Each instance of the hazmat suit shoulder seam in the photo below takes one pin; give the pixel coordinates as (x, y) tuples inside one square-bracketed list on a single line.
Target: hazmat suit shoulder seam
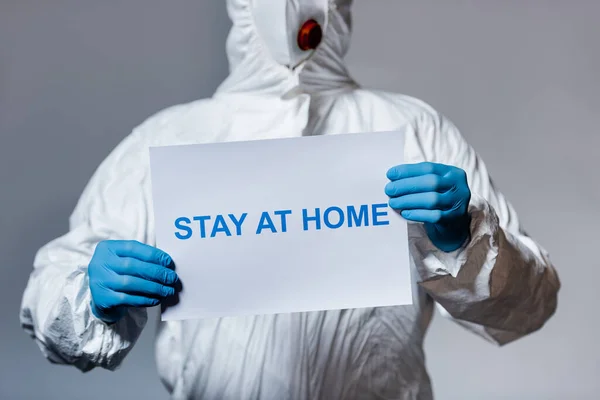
[(413, 108), (417, 106), (166, 115)]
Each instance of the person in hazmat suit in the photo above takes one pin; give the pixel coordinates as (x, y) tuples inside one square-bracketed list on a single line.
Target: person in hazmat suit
[(85, 300)]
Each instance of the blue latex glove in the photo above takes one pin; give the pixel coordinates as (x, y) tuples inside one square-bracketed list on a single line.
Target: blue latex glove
[(437, 195), (125, 273)]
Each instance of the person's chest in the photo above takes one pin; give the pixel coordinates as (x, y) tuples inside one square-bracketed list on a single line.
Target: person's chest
[(240, 118)]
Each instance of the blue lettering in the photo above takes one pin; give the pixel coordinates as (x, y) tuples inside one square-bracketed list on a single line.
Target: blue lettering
[(238, 222), (306, 219), (265, 223), (283, 214), (220, 226), (376, 214), (179, 225), (358, 219), (340, 218), (201, 221)]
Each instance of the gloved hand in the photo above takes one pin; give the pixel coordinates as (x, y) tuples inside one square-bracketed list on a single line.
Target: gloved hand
[(437, 195), (125, 273)]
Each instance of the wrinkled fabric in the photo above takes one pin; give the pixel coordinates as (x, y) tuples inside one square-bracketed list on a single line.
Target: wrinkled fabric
[(500, 285)]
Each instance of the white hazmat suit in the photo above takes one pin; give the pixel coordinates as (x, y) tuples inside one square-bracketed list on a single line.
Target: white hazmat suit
[(500, 285)]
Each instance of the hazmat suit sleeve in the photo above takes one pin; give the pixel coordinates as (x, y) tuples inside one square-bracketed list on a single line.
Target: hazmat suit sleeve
[(55, 308), (500, 284)]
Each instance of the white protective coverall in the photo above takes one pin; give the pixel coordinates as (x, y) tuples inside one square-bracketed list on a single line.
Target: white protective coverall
[(500, 285)]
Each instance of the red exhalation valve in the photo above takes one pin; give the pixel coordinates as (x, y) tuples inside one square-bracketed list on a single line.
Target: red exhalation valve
[(310, 35)]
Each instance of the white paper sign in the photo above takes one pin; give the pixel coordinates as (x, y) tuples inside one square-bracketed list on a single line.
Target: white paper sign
[(281, 225)]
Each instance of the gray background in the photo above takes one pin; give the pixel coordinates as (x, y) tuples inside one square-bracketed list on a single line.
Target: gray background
[(520, 78)]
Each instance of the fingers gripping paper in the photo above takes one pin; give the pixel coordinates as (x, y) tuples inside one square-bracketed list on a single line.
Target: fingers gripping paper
[(281, 225)]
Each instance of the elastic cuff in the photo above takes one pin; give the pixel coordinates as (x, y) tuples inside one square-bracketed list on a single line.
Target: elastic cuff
[(435, 262), (102, 317)]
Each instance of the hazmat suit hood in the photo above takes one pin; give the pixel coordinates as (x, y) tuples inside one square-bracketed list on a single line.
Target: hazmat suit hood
[(265, 57)]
